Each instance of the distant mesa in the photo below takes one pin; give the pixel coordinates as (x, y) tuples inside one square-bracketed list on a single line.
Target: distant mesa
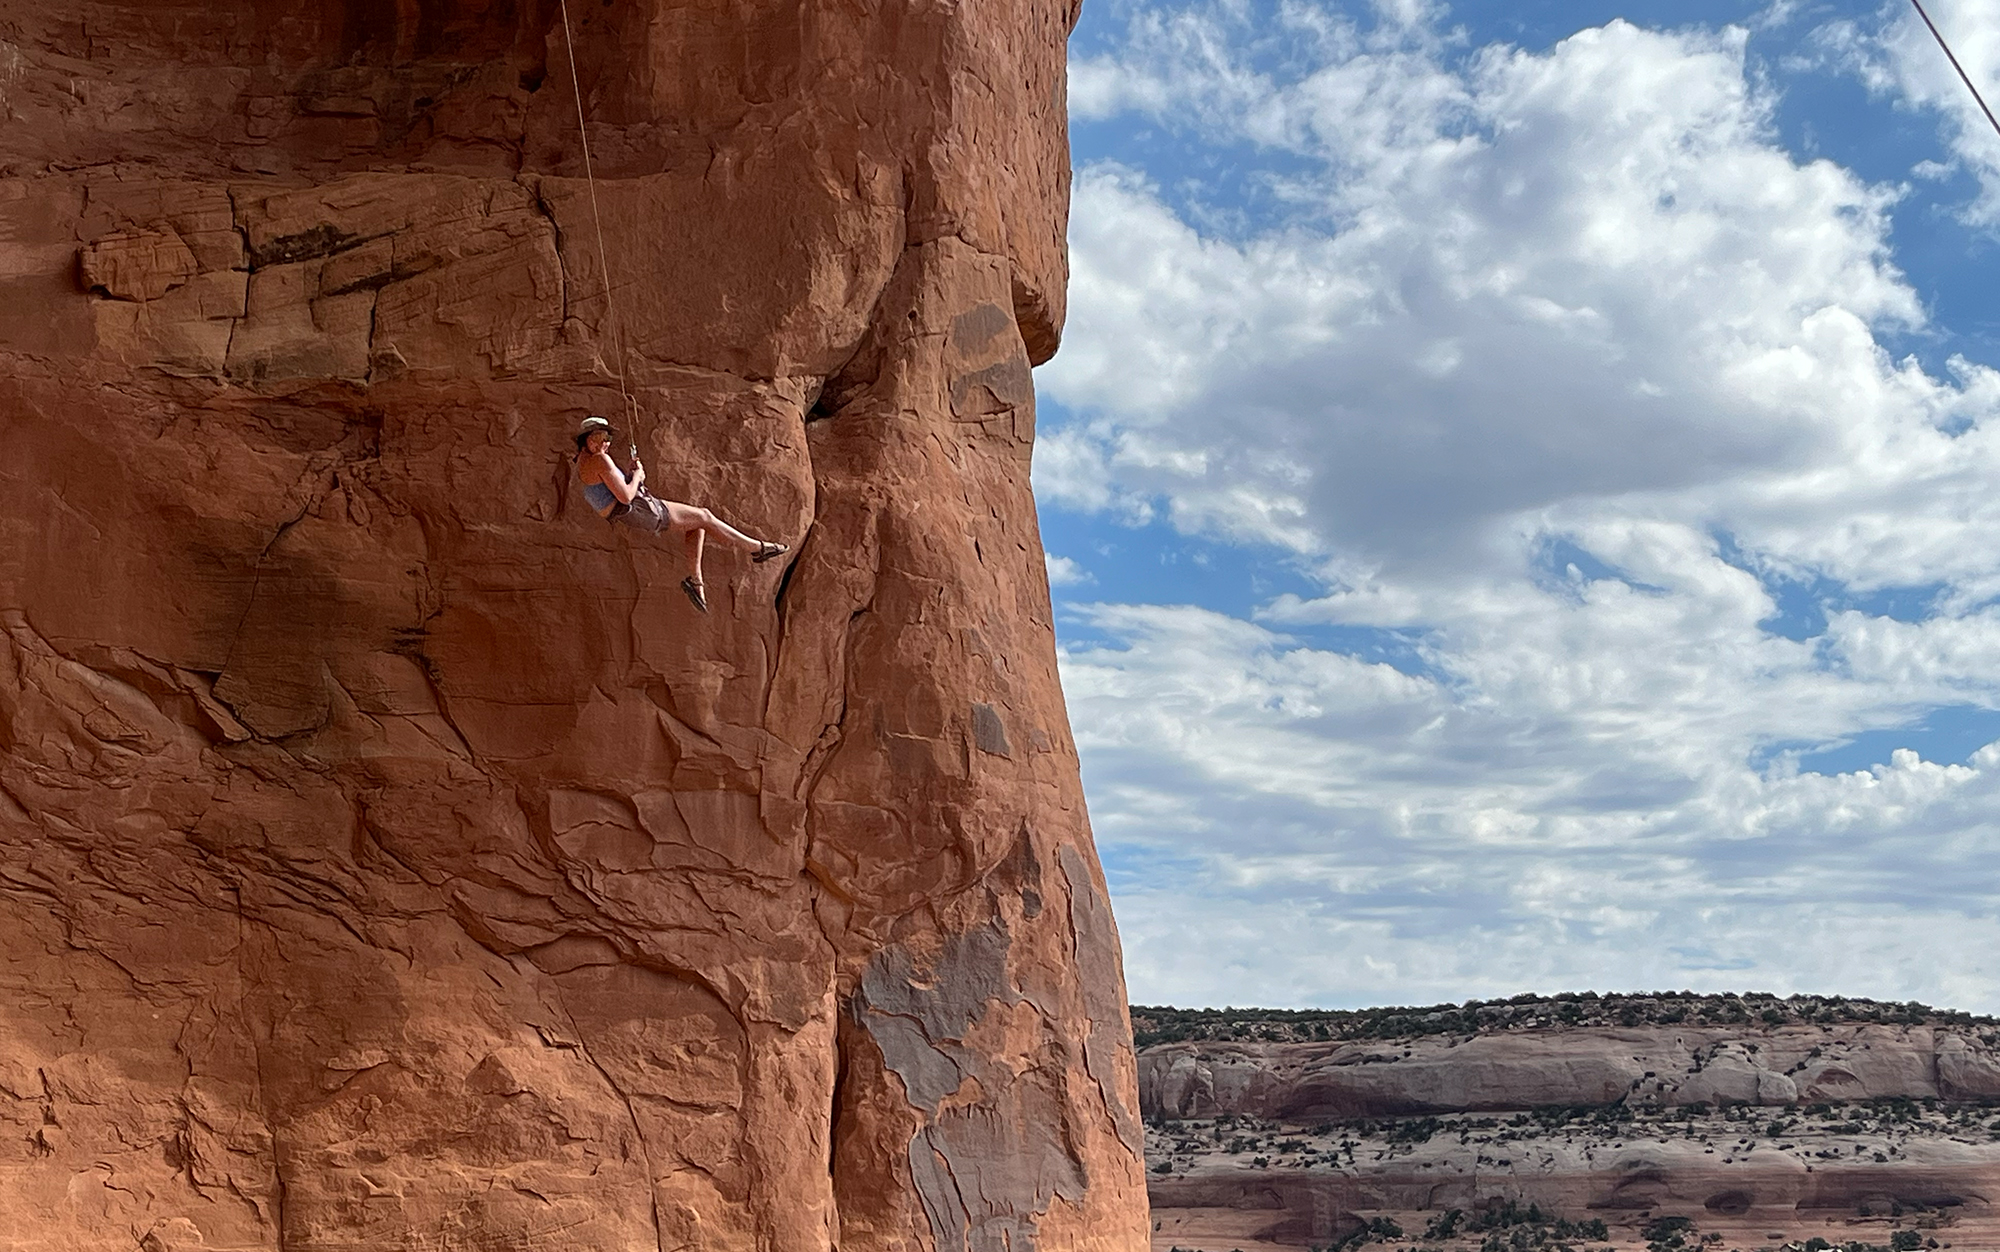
[(1755, 1119)]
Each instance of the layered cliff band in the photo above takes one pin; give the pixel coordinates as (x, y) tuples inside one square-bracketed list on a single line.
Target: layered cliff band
[(624, 499)]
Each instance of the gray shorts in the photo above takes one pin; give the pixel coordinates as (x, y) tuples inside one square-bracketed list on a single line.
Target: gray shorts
[(644, 513)]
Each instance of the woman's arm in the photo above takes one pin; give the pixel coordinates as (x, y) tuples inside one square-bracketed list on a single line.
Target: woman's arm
[(608, 473)]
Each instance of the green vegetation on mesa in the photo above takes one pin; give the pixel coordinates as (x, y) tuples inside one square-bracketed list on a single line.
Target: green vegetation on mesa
[(1509, 1227), (1153, 1024), (1873, 1130)]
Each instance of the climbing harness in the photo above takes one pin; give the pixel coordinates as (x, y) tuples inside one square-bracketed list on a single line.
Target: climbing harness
[(597, 223), (1962, 75)]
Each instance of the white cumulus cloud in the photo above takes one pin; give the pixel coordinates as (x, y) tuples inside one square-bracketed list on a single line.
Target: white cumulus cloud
[(1559, 365), (1065, 572), (1898, 56)]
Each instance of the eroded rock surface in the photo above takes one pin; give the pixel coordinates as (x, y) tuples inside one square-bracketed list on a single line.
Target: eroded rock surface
[(1666, 1066), (389, 857), (1759, 1135)]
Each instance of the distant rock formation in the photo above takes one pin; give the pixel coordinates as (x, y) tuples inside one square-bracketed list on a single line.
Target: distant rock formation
[(1758, 1133), (1663, 1066), (389, 857)]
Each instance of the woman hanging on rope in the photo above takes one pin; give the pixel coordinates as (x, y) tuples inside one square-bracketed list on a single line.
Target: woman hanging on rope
[(626, 501)]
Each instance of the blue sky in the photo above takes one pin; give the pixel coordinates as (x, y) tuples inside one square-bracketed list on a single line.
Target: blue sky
[(1519, 487)]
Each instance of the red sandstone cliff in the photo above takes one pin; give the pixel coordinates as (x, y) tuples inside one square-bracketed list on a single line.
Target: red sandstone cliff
[(388, 855)]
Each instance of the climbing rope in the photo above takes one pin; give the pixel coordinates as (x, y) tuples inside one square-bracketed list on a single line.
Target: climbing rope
[(1962, 75), (597, 222)]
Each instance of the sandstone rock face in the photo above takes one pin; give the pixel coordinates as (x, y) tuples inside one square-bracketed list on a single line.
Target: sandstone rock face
[(389, 857), (1667, 1066)]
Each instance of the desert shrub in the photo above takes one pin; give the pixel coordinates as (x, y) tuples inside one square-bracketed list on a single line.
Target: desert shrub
[(1162, 1024), (1376, 1230), (1668, 1234), (1508, 1227)]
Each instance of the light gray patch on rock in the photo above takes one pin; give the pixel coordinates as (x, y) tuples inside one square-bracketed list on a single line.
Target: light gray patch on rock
[(989, 732), (1097, 965), (1022, 867), (943, 1202), (979, 326), (998, 388), (983, 1179), (937, 1010), (928, 1072)]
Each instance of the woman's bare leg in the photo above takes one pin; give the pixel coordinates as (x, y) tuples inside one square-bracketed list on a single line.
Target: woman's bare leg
[(687, 517), (691, 541), (695, 526)]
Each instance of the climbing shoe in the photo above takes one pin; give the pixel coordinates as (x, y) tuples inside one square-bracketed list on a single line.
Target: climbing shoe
[(694, 595), (766, 550)]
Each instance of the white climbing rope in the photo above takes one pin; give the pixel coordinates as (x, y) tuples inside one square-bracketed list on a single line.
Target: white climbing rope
[(597, 223)]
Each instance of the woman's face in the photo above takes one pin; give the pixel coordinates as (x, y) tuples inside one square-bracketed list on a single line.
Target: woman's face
[(599, 440)]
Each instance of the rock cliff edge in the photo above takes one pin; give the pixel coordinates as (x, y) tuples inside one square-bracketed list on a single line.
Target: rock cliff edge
[(389, 856), (1765, 1123)]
